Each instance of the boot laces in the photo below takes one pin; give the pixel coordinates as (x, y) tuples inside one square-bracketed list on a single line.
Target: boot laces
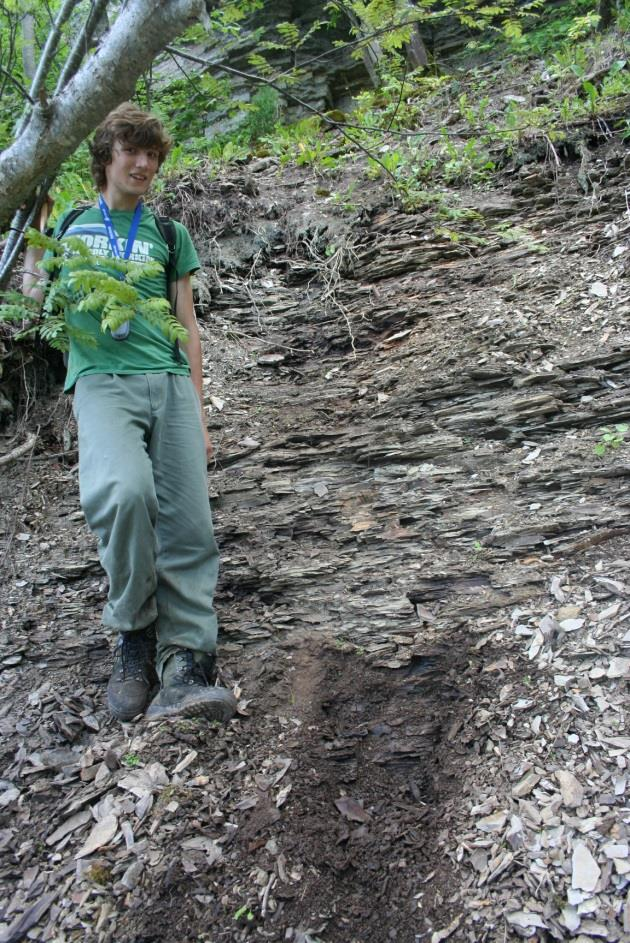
[(187, 670), (133, 655)]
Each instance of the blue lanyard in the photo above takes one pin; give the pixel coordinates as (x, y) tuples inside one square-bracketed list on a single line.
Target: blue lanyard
[(122, 332), (111, 232)]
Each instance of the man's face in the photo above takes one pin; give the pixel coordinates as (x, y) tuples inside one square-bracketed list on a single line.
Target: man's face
[(132, 169)]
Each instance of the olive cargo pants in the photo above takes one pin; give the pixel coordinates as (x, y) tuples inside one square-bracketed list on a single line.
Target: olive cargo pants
[(144, 493)]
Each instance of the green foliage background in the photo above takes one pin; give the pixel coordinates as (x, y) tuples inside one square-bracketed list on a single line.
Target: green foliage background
[(391, 126)]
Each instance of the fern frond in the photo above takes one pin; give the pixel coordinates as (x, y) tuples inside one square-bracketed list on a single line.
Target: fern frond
[(15, 313)]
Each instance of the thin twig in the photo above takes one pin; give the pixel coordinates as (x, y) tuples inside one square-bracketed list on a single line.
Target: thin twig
[(398, 103), (14, 81), (22, 220)]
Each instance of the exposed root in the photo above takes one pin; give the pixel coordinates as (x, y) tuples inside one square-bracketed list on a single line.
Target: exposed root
[(19, 450)]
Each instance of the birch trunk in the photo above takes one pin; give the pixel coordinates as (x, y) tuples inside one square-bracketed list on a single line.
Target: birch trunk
[(58, 126)]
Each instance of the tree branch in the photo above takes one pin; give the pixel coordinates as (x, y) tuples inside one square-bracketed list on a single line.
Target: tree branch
[(141, 30), (46, 58), (20, 450), (21, 89), (81, 44)]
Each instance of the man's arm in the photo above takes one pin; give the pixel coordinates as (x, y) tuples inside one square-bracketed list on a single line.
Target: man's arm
[(181, 296), (33, 278)]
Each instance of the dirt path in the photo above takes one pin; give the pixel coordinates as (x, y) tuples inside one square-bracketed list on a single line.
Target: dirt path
[(423, 595)]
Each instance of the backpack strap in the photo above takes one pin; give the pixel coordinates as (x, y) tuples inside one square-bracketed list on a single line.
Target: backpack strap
[(66, 224), (166, 228), (71, 217)]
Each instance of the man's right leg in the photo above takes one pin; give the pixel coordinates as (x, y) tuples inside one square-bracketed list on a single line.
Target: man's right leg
[(119, 502)]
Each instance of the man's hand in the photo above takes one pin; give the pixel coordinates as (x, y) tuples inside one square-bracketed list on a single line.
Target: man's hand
[(41, 221), (33, 279)]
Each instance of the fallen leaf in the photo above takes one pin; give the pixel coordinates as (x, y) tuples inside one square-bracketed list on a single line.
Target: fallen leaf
[(352, 810), (444, 934)]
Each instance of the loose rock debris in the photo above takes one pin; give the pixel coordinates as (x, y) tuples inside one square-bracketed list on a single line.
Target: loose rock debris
[(424, 600)]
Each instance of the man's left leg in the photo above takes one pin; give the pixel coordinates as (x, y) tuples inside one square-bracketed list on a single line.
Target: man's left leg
[(187, 557)]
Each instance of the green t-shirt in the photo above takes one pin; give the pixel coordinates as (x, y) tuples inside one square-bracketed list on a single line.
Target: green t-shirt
[(146, 349)]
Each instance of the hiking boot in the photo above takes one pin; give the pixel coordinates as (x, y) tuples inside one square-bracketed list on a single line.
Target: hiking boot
[(133, 674), (187, 691)]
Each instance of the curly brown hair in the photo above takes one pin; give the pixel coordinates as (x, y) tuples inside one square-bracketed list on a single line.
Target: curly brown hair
[(130, 124)]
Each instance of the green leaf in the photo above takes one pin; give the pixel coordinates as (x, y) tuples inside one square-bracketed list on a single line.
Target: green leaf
[(14, 313)]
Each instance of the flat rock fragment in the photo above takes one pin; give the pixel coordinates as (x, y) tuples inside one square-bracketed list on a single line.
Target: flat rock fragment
[(570, 789), (526, 919), (525, 785), (492, 823), (570, 918), (101, 834), (585, 870), (619, 668), (448, 931)]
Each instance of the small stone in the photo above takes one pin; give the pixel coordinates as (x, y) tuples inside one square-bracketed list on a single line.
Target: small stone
[(571, 625), (568, 612), (585, 870), (619, 668), (515, 834), (592, 928), (492, 823), (570, 918), (599, 290), (525, 785), (615, 851), (570, 789), (479, 860), (525, 919)]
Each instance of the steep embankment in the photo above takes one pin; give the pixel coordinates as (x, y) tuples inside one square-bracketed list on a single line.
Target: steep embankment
[(422, 596)]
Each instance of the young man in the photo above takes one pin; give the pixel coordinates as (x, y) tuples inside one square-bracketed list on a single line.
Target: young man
[(143, 447)]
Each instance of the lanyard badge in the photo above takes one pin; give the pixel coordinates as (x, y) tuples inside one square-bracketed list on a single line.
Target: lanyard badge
[(122, 332)]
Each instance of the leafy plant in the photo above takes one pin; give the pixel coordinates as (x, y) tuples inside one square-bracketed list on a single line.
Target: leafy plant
[(582, 26), (90, 284), (611, 438), (263, 113), (131, 759), (468, 162), (244, 913)]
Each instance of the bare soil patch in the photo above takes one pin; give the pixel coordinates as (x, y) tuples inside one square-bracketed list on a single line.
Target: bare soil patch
[(345, 843)]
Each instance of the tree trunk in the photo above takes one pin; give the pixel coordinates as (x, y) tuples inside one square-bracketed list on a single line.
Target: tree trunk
[(57, 127), (416, 50), (606, 13), (28, 46), (371, 52)]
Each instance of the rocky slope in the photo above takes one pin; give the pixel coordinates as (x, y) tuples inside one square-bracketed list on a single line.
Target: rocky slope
[(423, 595)]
